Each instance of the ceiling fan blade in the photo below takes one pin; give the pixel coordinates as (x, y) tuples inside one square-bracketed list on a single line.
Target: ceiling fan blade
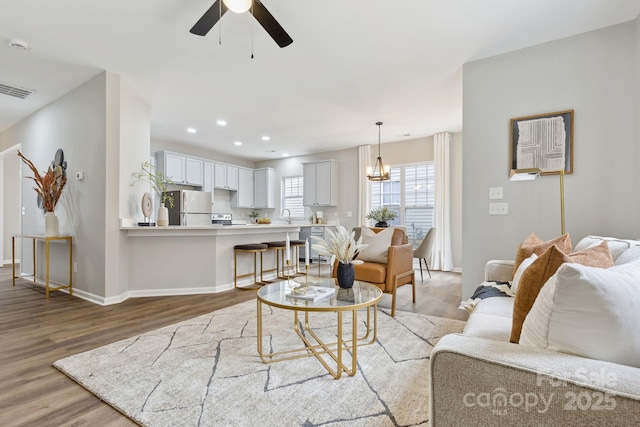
[(209, 18), (269, 23)]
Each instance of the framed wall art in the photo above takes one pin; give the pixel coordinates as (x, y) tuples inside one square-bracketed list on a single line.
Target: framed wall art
[(543, 141)]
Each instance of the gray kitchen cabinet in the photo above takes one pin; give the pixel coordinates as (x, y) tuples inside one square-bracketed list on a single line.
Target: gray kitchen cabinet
[(181, 169), (264, 188), (207, 183), (320, 183), (225, 177), (243, 197)]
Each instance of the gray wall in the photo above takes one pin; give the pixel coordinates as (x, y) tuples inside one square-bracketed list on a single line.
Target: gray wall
[(596, 74), (10, 203)]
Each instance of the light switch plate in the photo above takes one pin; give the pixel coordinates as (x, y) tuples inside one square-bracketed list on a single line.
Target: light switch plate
[(495, 193), (498, 208)]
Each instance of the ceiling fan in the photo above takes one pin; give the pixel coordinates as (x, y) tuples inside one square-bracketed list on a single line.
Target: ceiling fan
[(255, 7)]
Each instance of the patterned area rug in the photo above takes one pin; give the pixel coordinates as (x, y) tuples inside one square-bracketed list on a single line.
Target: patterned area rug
[(206, 372)]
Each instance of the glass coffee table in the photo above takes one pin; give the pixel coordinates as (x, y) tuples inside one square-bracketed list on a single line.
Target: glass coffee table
[(362, 296)]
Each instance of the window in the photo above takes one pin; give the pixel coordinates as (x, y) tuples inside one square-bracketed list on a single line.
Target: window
[(292, 191), (409, 193)]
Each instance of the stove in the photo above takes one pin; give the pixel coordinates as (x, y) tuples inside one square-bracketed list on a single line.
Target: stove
[(221, 219)]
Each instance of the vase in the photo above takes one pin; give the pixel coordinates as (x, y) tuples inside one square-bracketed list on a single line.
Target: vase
[(382, 224), (162, 218), (345, 275), (51, 225)]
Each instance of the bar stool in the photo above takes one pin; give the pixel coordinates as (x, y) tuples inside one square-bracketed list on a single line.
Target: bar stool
[(279, 248), (253, 248)]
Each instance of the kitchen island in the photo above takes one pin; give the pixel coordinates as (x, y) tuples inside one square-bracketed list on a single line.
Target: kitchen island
[(178, 260)]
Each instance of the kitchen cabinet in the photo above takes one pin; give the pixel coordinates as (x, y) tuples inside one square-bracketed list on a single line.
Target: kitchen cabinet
[(263, 188), (181, 169), (243, 197), (320, 183), (207, 180), (225, 177)]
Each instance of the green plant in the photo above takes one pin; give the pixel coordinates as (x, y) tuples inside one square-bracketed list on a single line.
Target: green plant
[(254, 214), (383, 214), (159, 182)]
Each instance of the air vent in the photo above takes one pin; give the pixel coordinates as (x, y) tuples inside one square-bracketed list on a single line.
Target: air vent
[(18, 92)]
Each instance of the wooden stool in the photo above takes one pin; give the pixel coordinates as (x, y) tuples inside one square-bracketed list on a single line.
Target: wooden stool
[(278, 247), (253, 248)]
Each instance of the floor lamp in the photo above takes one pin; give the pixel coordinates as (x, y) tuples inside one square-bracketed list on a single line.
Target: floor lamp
[(533, 173)]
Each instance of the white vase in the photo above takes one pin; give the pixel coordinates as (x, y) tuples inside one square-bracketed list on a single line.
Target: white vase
[(51, 225), (162, 218)]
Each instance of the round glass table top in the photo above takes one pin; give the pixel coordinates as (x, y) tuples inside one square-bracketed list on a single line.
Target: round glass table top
[(278, 294)]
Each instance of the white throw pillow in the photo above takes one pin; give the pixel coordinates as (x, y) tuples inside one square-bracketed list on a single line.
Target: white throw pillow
[(521, 268), (590, 312), (378, 249), (630, 255)]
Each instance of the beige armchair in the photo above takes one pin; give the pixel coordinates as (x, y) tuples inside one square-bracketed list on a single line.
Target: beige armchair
[(396, 272), (424, 251)]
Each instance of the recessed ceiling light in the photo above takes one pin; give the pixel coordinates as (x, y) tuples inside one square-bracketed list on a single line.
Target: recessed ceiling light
[(285, 154), (238, 143), (266, 138), (191, 130), (19, 44), (221, 123)]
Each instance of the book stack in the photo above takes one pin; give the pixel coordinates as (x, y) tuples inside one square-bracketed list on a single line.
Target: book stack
[(313, 293)]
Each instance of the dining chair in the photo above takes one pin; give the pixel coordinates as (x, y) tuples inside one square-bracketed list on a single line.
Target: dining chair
[(423, 251)]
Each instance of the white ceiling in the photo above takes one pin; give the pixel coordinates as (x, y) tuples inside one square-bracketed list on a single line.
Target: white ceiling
[(352, 63)]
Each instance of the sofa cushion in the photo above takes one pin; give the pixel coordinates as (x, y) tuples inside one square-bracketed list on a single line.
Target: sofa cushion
[(533, 245), (540, 270), (616, 246), (491, 319), (371, 272), (630, 255), (590, 312), (378, 249), (518, 275)]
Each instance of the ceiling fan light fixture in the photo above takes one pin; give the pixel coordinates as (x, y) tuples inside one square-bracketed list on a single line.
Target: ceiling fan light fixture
[(379, 172), (238, 6)]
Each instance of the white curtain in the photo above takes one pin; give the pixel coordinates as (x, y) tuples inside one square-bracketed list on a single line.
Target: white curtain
[(441, 258), (364, 192)]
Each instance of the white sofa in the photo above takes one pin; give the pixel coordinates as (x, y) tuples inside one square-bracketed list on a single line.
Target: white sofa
[(479, 378)]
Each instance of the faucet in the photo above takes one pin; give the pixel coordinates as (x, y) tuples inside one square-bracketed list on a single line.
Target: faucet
[(289, 212)]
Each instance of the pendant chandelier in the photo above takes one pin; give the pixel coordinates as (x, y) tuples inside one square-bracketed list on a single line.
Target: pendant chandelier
[(379, 172)]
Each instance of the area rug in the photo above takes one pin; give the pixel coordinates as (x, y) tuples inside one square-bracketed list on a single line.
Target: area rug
[(206, 372)]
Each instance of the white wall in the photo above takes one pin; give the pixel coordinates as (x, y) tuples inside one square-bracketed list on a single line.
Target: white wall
[(595, 74)]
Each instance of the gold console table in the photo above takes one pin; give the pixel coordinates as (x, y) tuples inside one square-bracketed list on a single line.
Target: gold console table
[(47, 241)]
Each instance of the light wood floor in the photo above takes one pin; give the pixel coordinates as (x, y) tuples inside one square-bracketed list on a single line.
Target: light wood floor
[(35, 332)]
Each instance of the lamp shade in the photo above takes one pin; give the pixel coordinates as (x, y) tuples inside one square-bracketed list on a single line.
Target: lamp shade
[(524, 174), (238, 6)]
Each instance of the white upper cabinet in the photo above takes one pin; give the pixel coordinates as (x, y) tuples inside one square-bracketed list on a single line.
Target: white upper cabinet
[(225, 177), (243, 197), (181, 169), (320, 183), (207, 183), (263, 188)]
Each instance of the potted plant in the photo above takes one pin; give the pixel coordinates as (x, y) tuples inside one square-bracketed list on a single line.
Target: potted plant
[(49, 189), (345, 249), (159, 183), (254, 216), (382, 215)]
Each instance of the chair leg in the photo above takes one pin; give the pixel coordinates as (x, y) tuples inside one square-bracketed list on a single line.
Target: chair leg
[(420, 262), (427, 265), (413, 286)]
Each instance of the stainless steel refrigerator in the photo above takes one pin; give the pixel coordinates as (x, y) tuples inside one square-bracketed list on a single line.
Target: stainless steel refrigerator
[(190, 208)]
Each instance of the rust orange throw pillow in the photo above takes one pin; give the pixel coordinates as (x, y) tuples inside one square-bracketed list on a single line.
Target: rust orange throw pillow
[(533, 245), (545, 266)]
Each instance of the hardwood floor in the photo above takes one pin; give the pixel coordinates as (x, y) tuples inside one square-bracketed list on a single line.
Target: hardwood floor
[(35, 332)]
